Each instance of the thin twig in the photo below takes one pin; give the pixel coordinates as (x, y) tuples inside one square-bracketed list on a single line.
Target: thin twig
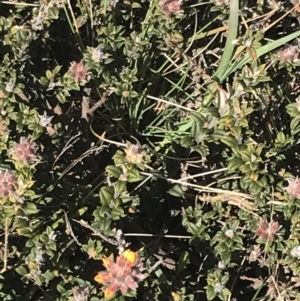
[(19, 3), (198, 278), (166, 72), (85, 104), (5, 246), (203, 174), (96, 232), (180, 181), (275, 22), (69, 228), (158, 235), (100, 102), (73, 16), (170, 103), (199, 187), (159, 262), (67, 146), (76, 161), (106, 140)]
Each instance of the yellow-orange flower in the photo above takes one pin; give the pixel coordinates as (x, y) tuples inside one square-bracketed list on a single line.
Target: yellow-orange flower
[(123, 274), (99, 278), (106, 261), (130, 256), (102, 278), (108, 293)]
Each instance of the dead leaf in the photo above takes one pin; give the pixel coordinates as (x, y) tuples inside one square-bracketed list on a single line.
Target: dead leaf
[(85, 107), (256, 282), (23, 96), (57, 110), (51, 131)]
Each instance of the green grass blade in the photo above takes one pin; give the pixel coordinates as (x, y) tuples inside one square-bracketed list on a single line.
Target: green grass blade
[(239, 63), (200, 34), (260, 51), (232, 34)]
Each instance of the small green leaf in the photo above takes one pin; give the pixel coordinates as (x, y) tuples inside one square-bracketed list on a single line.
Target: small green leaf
[(117, 213), (134, 176), (136, 5), (192, 228), (56, 70), (31, 209), (120, 187), (133, 94), (234, 164), (294, 123), (196, 129), (295, 126), (183, 261), (49, 75), (187, 141), (198, 117), (106, 195), (281, 137), (218, 134), (60, 289), (43, 81), (229, 141), (201, 150), (292, 109), (176, 190), (210, 293), (21, 270)]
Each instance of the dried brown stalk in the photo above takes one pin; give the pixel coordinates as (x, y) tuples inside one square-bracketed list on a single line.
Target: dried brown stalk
[(235, 200), (85, 105)]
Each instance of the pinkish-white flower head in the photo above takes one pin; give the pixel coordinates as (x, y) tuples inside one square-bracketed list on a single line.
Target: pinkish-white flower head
[(295, 252), (78, 71), (81, 294), (294, 188), (7, 184), (229, 233), (134, 153), (170, 7), (289, 54), (25, 151), (267, 230)]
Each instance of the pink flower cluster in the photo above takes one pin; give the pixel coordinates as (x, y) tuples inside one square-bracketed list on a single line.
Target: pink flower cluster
[(122, 275), (267, 230), (78, 71), (289, 54), (294, 188), (7, 181), (25, 151), (170, 7)]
